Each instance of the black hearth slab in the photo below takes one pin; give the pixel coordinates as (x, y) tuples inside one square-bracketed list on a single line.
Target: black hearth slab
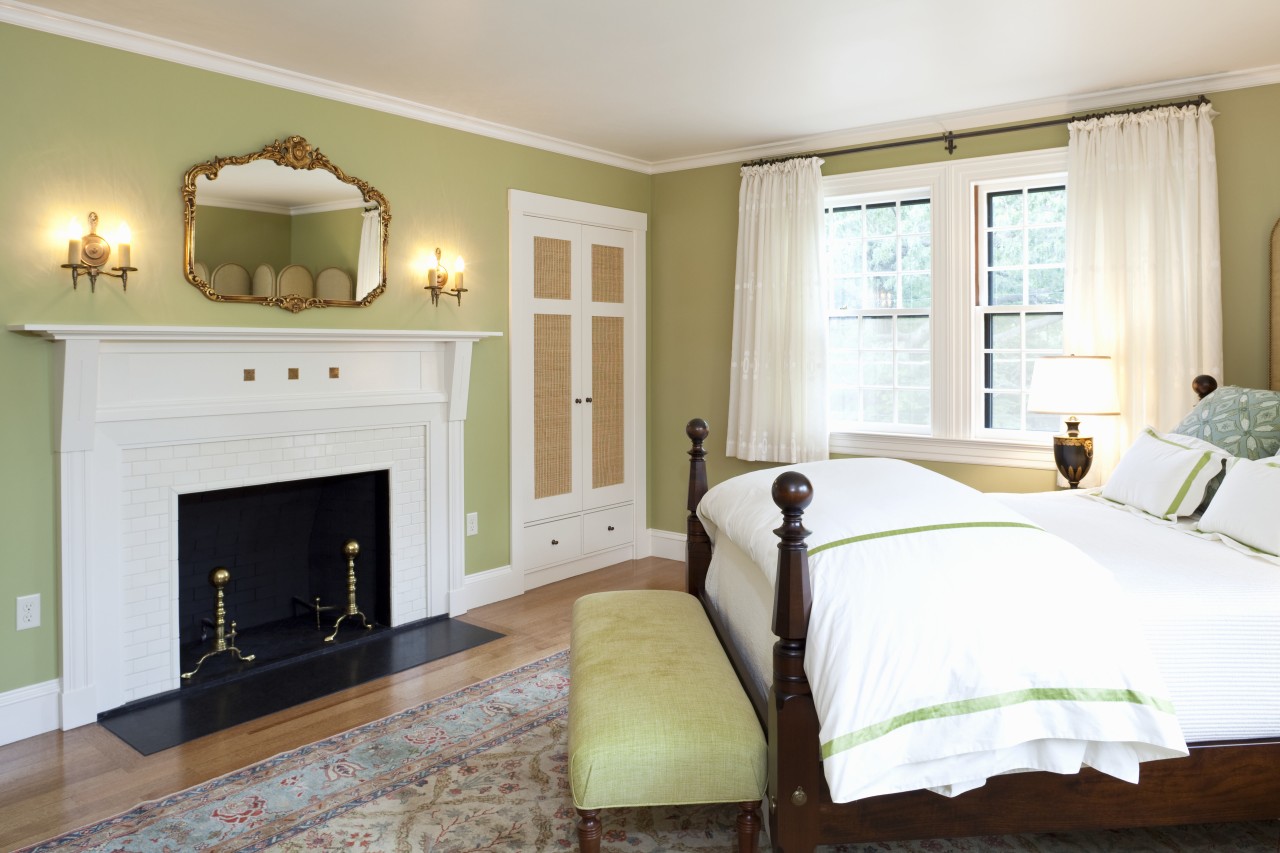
[(160, 722)]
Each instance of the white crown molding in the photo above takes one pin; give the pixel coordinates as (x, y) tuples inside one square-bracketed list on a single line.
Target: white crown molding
[(32, 17), (106, 35), (986, 117)]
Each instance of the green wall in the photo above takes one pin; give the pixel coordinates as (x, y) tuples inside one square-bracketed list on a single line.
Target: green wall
[(693, 241), (448, 189), (225, 235), (445, 188), (330, 239)]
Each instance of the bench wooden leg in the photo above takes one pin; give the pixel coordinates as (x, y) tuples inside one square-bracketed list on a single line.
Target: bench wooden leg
[(589, 831), (748, 827)]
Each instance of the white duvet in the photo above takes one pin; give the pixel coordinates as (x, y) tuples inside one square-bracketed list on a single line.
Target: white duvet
[(950, 638)]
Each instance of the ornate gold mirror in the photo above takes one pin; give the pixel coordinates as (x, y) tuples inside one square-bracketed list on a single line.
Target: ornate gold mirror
[(284, 226)]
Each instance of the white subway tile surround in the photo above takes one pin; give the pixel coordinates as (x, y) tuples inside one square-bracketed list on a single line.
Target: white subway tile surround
[(144, 414)]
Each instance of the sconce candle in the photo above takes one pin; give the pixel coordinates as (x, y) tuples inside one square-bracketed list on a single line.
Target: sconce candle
[(458, 266), (122, 247), (73, 242)]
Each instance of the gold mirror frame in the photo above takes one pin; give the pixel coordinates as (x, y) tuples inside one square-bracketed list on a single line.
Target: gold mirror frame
[(293, 152)]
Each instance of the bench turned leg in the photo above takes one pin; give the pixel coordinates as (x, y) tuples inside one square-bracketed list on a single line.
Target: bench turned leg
[(589, 831), (748, 827)]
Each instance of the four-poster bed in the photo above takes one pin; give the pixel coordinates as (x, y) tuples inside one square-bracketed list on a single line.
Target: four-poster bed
[(1219, 781)]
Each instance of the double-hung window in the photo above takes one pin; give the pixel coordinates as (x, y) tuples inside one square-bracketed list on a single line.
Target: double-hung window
[(944, 283)]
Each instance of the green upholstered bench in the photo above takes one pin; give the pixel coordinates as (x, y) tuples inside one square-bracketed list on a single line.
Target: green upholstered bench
[(656, 713)]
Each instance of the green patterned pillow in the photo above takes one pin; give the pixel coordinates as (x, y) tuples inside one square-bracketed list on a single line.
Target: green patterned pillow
[(1244, 422)]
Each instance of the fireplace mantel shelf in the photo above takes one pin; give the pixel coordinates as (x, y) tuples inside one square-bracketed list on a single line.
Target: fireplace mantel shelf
[(189, 334)]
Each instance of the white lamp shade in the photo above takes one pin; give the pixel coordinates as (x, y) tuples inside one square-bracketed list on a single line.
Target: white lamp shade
[(1073, 385)]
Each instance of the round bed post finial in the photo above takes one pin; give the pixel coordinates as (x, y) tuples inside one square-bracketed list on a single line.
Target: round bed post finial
[(792, 492), (697, 543), (1204, 385)]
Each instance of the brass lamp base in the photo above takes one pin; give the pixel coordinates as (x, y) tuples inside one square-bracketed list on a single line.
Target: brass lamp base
[(1073, 455)]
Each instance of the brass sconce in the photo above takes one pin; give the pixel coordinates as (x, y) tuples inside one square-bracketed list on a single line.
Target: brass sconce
[(88, 255), (438, 276)]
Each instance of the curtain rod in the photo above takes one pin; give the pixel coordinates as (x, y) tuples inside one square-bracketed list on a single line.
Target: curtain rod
[(949, 138)]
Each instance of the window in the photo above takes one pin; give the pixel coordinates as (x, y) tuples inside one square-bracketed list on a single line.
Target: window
[(944, 284), (1022, 268), (879, 291)]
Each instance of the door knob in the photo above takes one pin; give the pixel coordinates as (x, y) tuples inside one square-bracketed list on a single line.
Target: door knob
[(555, 541), (588, 399), (611, 527)]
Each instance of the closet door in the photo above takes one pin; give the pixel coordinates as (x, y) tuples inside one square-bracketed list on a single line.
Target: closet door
[(548, 375), (607, 328)]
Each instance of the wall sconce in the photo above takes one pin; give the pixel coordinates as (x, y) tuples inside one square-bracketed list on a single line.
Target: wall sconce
[(438, 276), (87, 255)]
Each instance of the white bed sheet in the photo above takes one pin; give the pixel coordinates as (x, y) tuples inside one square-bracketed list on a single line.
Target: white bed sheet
[(1211, 615)]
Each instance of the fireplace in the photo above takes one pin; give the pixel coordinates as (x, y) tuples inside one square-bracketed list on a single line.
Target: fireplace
[(284, 549), (148, 416)]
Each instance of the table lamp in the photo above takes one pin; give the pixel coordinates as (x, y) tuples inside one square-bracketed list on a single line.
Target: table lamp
[(1073, 385)]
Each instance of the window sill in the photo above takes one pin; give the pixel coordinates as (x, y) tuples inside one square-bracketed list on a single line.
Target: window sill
[(1008, 454)]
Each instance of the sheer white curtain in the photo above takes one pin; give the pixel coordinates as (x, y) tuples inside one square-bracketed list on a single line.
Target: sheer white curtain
[(370, 253), (777, 383), (1143, 261)]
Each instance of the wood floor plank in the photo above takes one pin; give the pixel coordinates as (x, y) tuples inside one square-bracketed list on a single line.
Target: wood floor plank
[(58, 781)]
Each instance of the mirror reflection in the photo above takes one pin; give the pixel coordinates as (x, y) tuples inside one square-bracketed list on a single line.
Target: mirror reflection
[(284, 226)]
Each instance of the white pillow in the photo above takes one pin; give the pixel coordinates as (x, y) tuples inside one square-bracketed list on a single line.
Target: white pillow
[(1246, 504), (1164, 475)]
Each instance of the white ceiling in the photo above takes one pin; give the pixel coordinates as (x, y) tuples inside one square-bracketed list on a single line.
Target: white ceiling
[(661, 84)]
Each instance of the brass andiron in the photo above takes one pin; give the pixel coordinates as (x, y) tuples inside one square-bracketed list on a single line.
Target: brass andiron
[(350, 550), (219, 578)]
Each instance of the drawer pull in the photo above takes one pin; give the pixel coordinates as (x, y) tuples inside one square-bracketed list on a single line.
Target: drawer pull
[(555, 541), (578, 400), (588, 399), (611, 527)]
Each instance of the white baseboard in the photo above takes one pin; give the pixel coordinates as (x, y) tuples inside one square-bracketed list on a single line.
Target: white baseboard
[(668, 545), (29, 711), (484, 588)]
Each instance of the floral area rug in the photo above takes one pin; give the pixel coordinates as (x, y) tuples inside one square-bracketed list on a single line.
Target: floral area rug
[(484, 769)]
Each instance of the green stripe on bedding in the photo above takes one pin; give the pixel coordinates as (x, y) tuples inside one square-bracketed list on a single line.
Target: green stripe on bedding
[(990, 703), (1186, 486), (907, 531)]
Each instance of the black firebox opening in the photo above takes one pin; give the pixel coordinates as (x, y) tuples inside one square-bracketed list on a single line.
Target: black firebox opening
[(283, 546)]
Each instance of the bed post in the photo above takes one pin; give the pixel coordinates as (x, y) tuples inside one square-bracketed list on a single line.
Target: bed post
[(795, 784), (697, 553)]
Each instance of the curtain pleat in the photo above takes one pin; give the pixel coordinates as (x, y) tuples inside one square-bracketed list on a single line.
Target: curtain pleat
[(370, 260), (1143, 262), (777, 384)]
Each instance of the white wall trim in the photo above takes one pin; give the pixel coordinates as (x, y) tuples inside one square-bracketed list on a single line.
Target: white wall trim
[(29, 711), (667, 545), (96, 32), (487, 587), (81, 29)]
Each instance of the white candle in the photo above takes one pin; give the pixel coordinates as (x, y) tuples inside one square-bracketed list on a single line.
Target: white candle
[(73, 251), (123, 236)]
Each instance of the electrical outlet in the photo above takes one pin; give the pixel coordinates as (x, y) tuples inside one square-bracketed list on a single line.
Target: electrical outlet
[(473, 523), (28, 611)]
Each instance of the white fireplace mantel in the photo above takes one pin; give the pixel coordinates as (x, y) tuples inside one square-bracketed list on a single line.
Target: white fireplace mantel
[(125, 395)]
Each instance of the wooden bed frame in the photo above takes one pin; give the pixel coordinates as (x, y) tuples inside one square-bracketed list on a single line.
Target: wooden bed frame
[(1217, 782)]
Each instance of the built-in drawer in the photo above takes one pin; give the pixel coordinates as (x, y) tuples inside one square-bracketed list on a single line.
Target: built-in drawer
[(553, 541), (607, 528)]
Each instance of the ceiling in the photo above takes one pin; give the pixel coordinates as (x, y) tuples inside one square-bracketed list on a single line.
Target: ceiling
[(662, 84)]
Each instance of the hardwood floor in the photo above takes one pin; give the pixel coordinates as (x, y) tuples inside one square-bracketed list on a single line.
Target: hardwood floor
[(58, 781)]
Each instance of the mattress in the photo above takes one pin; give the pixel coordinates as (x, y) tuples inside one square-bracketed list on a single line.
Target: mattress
[(1211, 615)]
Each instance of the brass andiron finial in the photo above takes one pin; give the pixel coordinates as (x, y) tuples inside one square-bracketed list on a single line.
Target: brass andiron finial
[(219, 578), (350, 550)]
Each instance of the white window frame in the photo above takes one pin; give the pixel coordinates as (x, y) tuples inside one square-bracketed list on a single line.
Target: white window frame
[(956, 377)]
